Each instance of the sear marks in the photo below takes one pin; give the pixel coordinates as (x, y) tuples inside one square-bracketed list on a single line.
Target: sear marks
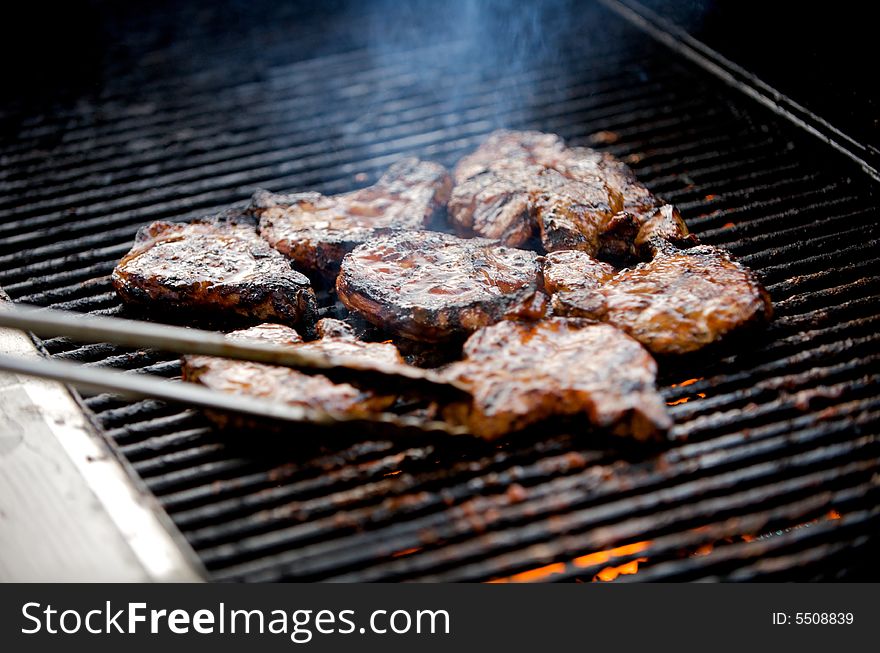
[(523, 373), (432, 286), (216, 266), (520, 184), (316, 231), (288, 385), (676, 303)]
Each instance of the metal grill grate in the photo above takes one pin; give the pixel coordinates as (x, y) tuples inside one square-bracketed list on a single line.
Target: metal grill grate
[(777, 476)]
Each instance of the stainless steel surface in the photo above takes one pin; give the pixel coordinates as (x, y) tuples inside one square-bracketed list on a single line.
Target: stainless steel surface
[(69, 511)]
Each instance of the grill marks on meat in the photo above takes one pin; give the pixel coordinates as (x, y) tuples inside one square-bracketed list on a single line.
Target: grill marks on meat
[(519, 184), (680, 301), (523, 373), (316, 231), (216, 266), (290, 386), (432, 286)]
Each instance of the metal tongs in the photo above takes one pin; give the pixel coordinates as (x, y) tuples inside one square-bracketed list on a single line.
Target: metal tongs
[(46, 322)]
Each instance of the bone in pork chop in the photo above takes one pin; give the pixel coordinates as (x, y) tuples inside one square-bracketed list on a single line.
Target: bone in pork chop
[(217, 266), (517, 185), (288, 385), (523, 373), (316, 230), (676, 303), (432, 286)]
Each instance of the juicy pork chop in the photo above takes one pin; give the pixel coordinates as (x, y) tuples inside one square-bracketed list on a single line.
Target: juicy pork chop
[(518, 185), (573, 270), (432, 286), (524, 373), (316, 230), (678, 302), (217, 266), (288, 385)]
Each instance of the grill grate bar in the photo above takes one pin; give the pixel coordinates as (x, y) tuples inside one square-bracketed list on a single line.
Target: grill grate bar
[(248, 171), (568, 548), (306, 98), (265, 134), (336, 555), (609, 488)]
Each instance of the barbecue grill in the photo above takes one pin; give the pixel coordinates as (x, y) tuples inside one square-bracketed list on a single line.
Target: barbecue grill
[(772, 468)]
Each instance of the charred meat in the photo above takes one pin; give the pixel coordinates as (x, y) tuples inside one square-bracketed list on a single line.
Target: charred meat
[(432, 286), (523, 373), (215, 266), (291, 386), (517, 185), (676, 303), (316, 230)]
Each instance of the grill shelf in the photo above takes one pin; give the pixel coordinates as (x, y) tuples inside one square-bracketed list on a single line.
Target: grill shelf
[(773, 473)]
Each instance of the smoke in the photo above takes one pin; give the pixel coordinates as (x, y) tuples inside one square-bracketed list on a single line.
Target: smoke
[(481, 64)]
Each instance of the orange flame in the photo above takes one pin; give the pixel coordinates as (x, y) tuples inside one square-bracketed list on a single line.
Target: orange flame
[(684, 384), (705, 550), (533, 575), (610, 573), (604, 556), (589, 560), (683, 400), (405, 552)]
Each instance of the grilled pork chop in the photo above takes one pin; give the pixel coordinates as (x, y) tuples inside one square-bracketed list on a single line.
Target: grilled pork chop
[(316, 231), (517, 185), (678, 302), (523, 373), (218, 266), (572, 270), (432, 286), (291, 386)]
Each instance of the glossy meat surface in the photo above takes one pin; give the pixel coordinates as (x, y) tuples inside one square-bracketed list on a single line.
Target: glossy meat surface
[(524, 373), (572, 269), (291, 386), (316, 230), (676, 303), (216, 266), (517, 185), (432, 286)]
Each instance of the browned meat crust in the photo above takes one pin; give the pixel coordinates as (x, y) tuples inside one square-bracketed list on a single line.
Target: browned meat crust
[(330, 328), (215, 266), (676, 303), (571, 269), (523, 373), (316, 231), (291, 386), (519, 184), (432, 286)]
